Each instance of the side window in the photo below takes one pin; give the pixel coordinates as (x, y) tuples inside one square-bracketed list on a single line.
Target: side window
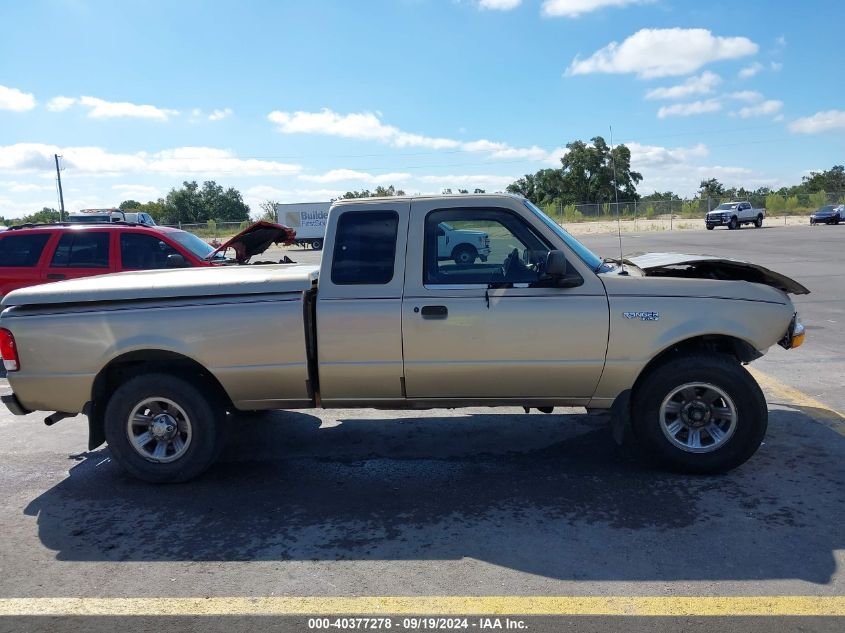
[(143, 252), (481, 246), (365, 247), (22, 250), (82, 250)]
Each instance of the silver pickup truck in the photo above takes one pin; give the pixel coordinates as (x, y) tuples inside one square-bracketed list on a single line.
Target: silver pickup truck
[(159, 360)]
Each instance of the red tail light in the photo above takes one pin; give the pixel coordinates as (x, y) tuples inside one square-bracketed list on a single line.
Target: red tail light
[(9, 351)]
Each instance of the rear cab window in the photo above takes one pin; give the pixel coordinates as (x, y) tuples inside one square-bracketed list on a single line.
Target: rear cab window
[(365, 248), (22, 250)]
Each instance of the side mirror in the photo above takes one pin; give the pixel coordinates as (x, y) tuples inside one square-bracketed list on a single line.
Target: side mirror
[(556, 264), (556, 268), (175, 260)]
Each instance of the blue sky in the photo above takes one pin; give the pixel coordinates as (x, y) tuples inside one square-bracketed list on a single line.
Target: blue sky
[(299, 101)]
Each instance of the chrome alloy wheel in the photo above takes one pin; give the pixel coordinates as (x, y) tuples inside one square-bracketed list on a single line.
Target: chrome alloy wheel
[(159, 430), (698, 417)]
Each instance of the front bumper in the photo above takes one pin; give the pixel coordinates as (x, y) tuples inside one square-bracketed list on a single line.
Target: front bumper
[(717, 220), (13, 404)]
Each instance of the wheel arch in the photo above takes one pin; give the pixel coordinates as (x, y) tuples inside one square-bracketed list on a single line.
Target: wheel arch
[(130, 364), (742, 351)]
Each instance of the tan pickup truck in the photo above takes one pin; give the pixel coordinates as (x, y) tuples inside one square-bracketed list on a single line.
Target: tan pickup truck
[(159, 360)]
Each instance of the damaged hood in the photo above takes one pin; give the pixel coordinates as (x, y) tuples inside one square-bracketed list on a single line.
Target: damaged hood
[(710, 267), (255, 239)]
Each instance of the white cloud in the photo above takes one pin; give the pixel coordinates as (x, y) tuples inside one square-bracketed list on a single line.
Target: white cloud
[(663, 53), (750, 70), (657, 156), (499, 5), (576, 8), (363, 126), (368, 126), (819, 122), (746, 95), (16, 100), (218, 115), (23, 157), (770, 106), (488, 182), (60, 104), (341, 175), (137, 192), (102, 109), (776, 66), (13, 186), (689, 109), (700, 84)]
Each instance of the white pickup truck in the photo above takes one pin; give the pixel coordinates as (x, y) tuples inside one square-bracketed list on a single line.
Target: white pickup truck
[(734, 214), (463, 246)]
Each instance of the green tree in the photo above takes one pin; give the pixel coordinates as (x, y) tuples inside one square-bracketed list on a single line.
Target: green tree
[(775, 203), (791, 204), (711, 188), (129, 205), (268, 211), (832, 179), (818, 199), (45, 216)]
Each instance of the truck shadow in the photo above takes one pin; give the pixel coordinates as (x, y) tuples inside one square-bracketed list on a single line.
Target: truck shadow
[(537, 493)]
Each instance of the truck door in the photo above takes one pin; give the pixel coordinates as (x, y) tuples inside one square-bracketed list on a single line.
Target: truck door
[(490, 329), (359, 304)]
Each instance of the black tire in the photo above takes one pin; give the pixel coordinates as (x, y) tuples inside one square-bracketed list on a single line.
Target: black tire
[(837, 220), (718, 370), (317, 245), (206, 416), (758, 223), (733, 224), (710, 227), (464, 255)]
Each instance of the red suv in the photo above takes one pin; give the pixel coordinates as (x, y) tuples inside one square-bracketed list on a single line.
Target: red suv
[(41, 253)]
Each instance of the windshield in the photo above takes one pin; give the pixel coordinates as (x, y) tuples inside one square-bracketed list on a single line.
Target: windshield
[(726, 207), (197, 246), (828, 209), (587, 256)]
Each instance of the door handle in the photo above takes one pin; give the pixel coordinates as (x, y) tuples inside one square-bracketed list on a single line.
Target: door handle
[(434, 312), (56, 276)]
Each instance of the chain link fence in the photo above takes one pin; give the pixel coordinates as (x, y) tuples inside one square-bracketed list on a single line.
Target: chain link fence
[(690, 209), (211, 229)]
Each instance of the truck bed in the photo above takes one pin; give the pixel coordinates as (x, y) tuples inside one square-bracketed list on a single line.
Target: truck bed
[(182, 282)]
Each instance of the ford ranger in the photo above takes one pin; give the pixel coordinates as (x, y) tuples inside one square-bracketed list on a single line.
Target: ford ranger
[(158, 359)]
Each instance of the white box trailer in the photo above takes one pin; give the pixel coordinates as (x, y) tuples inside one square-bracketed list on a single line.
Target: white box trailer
[(308, 219)]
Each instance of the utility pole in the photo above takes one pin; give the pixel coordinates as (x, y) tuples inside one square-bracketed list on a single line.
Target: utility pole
[(61, 195)]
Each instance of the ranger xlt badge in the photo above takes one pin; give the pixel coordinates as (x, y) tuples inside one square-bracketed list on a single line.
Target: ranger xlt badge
[(642, 316)]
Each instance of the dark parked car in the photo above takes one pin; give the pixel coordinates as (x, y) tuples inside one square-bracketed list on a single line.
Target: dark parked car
[(828, 214)]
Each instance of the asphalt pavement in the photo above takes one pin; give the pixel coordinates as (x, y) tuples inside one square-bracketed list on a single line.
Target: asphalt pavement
[(472, 502)]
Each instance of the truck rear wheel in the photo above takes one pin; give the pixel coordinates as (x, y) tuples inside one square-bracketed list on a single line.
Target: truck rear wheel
[(758, 223), (163, 429), (699, 414), (317, 244)]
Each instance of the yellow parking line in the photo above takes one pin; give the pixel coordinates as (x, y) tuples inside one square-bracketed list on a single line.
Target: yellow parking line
[(791, 396), (677, 606)]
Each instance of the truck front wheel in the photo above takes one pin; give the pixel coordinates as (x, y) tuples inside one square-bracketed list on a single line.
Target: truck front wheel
[(464, 255), (699, 414), (733, 224), (163, 429)]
